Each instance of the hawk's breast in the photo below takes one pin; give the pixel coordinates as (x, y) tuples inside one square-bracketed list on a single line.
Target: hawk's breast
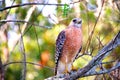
[(72, 43)]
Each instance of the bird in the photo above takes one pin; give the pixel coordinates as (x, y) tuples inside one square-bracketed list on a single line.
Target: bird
[(68, 46)]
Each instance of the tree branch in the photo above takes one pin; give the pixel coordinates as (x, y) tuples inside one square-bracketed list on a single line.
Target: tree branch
[(21, 21), (101, 72), (33, 3), (89, 69), (19, 62), (22, 49)]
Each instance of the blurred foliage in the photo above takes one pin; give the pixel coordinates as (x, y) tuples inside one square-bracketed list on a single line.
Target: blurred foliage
[(39, 41)]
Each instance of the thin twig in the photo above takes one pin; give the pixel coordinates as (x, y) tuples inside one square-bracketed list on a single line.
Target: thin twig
[(103, 69), (27, 18), (109, 62), (100, 42), (37, 39), (9, 10), (92, 32), (24, 56)]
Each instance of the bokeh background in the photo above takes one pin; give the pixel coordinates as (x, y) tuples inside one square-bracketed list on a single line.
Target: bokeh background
[(40, 26)]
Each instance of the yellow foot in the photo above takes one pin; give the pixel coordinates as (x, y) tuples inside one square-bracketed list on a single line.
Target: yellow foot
[(73, 68), (66, 71)]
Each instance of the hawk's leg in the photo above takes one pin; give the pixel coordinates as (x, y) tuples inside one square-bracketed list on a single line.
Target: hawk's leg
[(66, 68)]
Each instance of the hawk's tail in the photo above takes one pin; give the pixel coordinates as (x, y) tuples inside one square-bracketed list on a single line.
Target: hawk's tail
[(56, 69)]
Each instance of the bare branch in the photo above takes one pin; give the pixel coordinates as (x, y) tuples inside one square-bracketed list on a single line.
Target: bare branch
[(26, 4), (32, 63), (27, 18), (21, 21), (22, 49), (102, 72)]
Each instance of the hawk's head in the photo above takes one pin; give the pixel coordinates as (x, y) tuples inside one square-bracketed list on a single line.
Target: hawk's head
[(76, 22)]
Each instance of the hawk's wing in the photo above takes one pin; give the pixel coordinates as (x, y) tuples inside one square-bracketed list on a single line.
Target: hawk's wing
[(59, 46)]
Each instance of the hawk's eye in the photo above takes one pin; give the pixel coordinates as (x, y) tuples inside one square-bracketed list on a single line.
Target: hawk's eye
[(74, 20), (79, 22)]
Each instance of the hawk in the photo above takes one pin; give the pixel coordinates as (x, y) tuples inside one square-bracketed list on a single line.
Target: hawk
[(68, 45)]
